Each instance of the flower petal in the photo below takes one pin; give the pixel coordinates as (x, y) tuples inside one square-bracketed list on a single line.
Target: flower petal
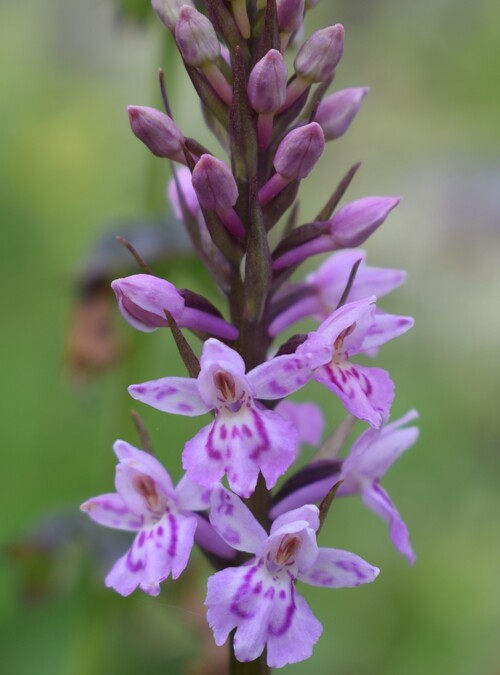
[(307, 418), (178, 395), (352, 321), (154, 555), (293, 640), (215, 350), (308, 513), (378, 501), (335, 568), (386, 327), (201, 461), (235, 522), (192, 496), (144, 462), (280, 376), (367, 393), (207, 537), (110, 510)]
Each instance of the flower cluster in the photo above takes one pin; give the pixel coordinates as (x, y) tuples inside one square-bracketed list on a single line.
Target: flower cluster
[(274, 122)]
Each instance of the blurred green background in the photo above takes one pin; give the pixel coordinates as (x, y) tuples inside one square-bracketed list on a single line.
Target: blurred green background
[(71, 169)]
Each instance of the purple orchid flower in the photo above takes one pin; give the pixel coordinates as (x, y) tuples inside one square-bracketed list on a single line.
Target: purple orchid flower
[(373, 453), (307, 418), (355, 328), (146, 502), (244, 438), (328, 283), (259, 598)]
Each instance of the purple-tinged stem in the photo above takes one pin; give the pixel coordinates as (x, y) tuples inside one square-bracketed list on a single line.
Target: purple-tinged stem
[(265, 129)]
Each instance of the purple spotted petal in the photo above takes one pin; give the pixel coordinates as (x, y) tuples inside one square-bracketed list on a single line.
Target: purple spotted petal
[(339, 569), (367, 393), (154, 555), (235, 522), (178, 395), (386, 327), (263, 611), (347, 327), (191, 496), (280, 377), (241, 445), (378, 501), (307, 418), (110, 510), (214, 350)]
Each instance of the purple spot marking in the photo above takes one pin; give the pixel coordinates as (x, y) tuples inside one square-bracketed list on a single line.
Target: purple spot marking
[(258, 588), (185, 407), (269, 594), (277, 388), (402, 322), (141, 539), (211, 451), (241, 593), (246, 430), (111, 506), (174, 527), (231, 536), (349, 566), (133, 566), (139, 389), (164, 392), (287, 621), (282, 594), (367, 389), (223, 432), (159, 531), (262, 433)]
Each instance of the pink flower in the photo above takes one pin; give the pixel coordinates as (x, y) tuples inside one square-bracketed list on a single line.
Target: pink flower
[(244, 438), (259, 599)]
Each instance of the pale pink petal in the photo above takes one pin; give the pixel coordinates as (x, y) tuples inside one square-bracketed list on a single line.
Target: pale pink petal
[(293, 636), (307, 418), (280, 376), (339, 569), (144, 462), (278, 448), (386, 327), (140, 491), (192, 496), (347, 327), (309, 494), (214, 350), (202, 462), (111, 511), (367, 393), (308, 513), (235, 385), (178, 395), (235, 522), (380, 503)]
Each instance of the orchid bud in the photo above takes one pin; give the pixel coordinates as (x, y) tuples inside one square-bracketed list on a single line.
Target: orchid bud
[(267, 92), (319, 55), (143, 299), (348, 228), (290, 15), (157, 131), (337, 111), (355, 222), (299, 151), (196, 37), (239, 8), (168, 10), (217, 191), (267, 83), (295, 158)]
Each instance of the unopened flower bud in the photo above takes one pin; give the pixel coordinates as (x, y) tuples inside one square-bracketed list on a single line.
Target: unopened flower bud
[(196, 37), (157, 131), (319, 55), (239, 8), (299, 151), (143, 299), (355, 222), (337, 111), (290, 15), (267, 83), (168, 10), (348, 228), (267, 92), (295, 158), (217, 191)]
